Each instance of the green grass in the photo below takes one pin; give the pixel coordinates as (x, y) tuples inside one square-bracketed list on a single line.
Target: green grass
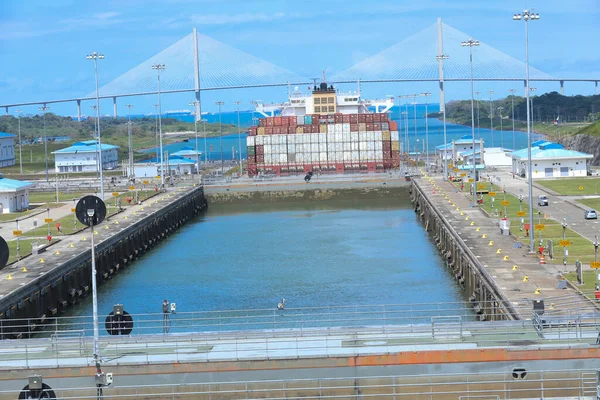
[(591, 203), (20, 215), (571, 186), (50, 197), (591, 130), (24, 248)]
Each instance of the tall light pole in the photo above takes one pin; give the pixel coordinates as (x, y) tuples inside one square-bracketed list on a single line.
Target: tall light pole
[(220, 103), (470, 44), (130, 158), (158, 68), (512, 101), (426, 94), (156, 131), (527, 15), (194, 104), (237, 103), (96, 56), (491, 92), (44, 109), (478, 101), (20, 145), (414, 103), (501, 131), (95, 137), (532, 89), (440, 58)]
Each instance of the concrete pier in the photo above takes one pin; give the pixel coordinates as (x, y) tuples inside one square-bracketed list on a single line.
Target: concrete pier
[(40, 287)]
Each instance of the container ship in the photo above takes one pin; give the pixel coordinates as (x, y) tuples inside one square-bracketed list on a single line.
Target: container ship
[(323, 132)]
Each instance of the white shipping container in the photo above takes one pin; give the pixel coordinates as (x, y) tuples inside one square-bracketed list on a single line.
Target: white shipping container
[(346, 137), (355, 156), (250, 141), (363, 156), (283, 158), (322, 147), (323, 157), (354, 146), (299, 158), (347, 146), (339, 156), (346, 127), (339, 146), (268, 149), (395, 135), (338, 128), (354, 136), (268, 159), (379, 155), (371, 155), (371, 146), (330, 129), (300, 120), (347, 156), (378, 135), (260, 140), (378, 145), (362, 146), (267, 139), (322, 138)]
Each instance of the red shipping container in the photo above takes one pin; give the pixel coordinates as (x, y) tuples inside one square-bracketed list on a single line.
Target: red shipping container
[(252, 131), (387, 146), (269, 121), (285, 121), (338, 118), (277, 121), (291, 130), (260, 149), (293, 121), (377, 126), (260, 158), (362, 118), (309, 128), (393, 126), (346, 118), (370, 127), (315, 119), (353, 118), (387, 154), (251, 159), (262, 122), (269, 130), (353, 127), (370, 118)]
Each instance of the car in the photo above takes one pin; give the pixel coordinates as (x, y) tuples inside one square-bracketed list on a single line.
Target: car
[(591, 214), (542, 200)]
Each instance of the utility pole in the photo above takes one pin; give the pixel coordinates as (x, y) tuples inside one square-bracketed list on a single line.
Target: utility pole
[(131, 174), (490, 92), (20, 143), (237, 103)]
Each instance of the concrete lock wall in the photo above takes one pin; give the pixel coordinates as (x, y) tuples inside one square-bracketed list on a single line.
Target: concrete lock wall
[(53, 292), (485, 296)]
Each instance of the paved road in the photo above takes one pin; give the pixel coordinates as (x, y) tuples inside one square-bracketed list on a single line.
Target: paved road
[(560, 207)]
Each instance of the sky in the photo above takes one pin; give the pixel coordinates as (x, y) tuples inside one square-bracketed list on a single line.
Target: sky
[(43, 43)]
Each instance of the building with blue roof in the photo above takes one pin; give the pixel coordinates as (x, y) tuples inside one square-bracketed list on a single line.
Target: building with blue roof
[(84, 157), (7, 149), (14, 195), (550, 160), (189, 153)]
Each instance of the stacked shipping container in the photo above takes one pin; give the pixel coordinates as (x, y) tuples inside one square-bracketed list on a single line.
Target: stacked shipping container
[(323, 143)]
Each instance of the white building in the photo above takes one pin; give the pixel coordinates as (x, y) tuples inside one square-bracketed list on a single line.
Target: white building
[(497, 157), (83, 157), (14, 195), (151, 168), (190, 153), (465, 145), (550, 160), (445, 152), (7, 149)]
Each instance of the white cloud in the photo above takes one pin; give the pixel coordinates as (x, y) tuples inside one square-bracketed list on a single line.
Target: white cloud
[(222, 19)]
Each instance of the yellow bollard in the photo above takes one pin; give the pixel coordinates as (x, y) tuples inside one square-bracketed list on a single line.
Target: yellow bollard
[(95, 232), (472, 223), (42, 261), (106, 227), (57, 252), (71, 245), (116, 222), (505, 258), (461, 213), (551, 306), (9, 277), (125, 217), (467, 218), (525, 278), (478, 229), (24, 269), (538, 291), (84, 239), (515, 268), (498, 251), (491, 243)]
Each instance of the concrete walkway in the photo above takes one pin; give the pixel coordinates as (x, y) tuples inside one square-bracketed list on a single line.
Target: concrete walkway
[(519, 275)]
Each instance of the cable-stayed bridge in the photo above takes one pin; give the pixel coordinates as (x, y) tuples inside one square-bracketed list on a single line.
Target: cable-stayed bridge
[(197, 62)]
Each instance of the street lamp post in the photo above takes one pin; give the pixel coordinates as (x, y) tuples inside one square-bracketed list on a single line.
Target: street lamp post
[(220, 103), (237, 103), (527, 15), (501, 131), (478, 103), (158, 68), (595, 259), (194, 104), (440, 58), (512, 107), (96, 56), (564, 225), (426, 143), (491, 92), (414, 103), (470, 44), (44, 109), (532, 89), (20, 143), (129, 107)]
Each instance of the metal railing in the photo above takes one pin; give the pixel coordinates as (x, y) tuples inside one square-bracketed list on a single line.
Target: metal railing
[(538, 384)]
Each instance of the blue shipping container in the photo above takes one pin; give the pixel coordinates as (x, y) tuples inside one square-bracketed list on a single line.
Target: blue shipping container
[(308, 120)]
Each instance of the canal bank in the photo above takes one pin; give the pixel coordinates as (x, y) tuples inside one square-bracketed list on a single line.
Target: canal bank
[(39, 288), (497, 274)]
